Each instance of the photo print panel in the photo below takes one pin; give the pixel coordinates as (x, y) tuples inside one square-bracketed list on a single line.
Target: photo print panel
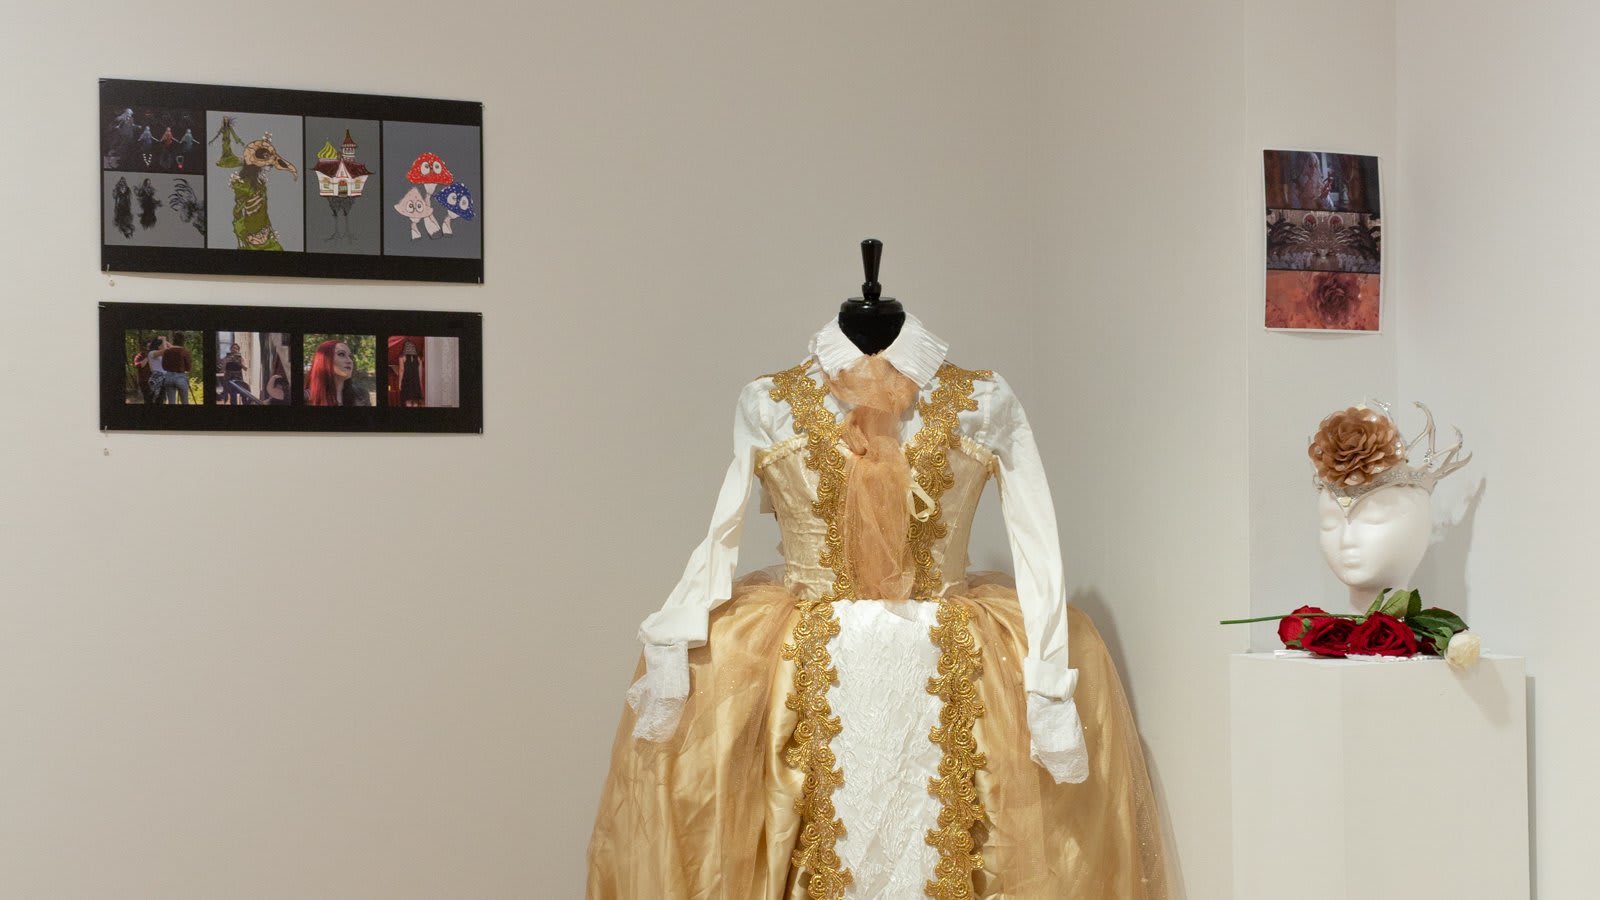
[(223, 180), (268, 368), (153, 210), (340, 369), (149, 139), (424, 372), (433, 188), (1324, 252), (254, 368), (161, 367), (343, 189), (254, 163)]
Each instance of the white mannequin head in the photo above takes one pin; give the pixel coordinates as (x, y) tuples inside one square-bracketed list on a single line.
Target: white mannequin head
[(1380, 543)]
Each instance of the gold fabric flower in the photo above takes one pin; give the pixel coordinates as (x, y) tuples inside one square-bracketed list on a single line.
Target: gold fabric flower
[(1354, 445)]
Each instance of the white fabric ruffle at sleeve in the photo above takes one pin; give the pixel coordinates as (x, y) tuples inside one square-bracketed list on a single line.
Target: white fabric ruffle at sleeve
[(658, 696), (1030, 518)]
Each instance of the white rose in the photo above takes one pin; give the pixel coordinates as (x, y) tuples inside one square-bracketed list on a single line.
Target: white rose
[(1463, 650)]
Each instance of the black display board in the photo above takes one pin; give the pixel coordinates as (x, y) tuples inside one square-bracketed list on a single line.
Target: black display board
[(218, 180), (271, 368)]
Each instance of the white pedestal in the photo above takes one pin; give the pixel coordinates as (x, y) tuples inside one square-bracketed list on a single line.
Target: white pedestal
[(1401, 780)]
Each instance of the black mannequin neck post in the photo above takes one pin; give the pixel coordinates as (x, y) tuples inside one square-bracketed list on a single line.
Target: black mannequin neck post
[(871, 321)]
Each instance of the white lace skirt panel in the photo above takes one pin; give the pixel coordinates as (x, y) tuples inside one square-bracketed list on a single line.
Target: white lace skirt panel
[(885, 657)]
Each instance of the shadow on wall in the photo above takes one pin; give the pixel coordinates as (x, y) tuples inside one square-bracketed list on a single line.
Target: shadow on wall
[(1091, 604), (1444, 569)]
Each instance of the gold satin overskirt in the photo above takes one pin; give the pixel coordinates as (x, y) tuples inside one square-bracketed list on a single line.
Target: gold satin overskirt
[(710, 813)]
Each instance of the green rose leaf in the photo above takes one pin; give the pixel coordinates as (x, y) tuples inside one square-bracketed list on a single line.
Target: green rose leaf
[(1434, 617), (1396, 603), (1378, 601)]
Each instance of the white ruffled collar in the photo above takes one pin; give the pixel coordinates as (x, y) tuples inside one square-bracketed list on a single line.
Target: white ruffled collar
[(916, 352)]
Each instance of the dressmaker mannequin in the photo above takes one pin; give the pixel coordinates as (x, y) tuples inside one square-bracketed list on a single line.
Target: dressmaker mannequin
[(871, 321), (1380, 544)]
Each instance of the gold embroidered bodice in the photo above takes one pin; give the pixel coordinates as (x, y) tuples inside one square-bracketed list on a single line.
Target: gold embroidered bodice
[(803, 479), (791, 489)]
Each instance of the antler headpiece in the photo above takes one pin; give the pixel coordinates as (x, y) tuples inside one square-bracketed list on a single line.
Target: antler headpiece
[(1358, 450)]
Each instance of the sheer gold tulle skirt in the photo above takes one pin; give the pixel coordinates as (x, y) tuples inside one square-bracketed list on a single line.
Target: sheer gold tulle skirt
[(710, 813)]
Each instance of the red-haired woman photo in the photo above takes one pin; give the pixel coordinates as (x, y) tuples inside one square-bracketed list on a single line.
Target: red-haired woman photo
[(331, 380)]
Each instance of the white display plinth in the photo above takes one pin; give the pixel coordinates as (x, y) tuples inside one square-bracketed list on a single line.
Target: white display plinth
[(1379, 780)]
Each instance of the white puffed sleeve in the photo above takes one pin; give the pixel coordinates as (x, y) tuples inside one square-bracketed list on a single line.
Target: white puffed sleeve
[(1030, 521), (707, 581)]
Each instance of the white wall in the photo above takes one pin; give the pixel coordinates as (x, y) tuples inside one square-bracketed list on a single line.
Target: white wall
[(409, 689), (1338, 98), (363, 710), (1496, 134), (1141, 346)]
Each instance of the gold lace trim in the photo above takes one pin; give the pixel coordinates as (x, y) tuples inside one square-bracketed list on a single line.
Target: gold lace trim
[(959, 658), (959, 663), (926, 454), (808, 750)]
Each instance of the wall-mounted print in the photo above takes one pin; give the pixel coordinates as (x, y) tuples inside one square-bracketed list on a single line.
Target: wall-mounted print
[(159, 367), (245, 168), (220, 180), (147, 139), (432, 180), (253, 369), (1323, 236), (424, 371), (190, 367), (341, 369), (153, 210), (343, 197)]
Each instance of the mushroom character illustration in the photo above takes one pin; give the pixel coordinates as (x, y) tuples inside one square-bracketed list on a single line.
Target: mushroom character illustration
[(457, 202), (146, 193), (429, 171), (418, 209), (251, 223), (122, 207), (187, 204), (341, 179)]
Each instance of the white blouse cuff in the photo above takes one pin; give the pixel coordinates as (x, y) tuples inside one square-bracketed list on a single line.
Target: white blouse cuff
[(1057, 739), (1048, 679), (675, 625), (658, 696)]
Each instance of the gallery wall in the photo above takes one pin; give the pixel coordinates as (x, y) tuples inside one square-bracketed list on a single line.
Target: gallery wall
[(266, 666), (359, 666), (1140, 342), (1495, 122), (1296, 378)]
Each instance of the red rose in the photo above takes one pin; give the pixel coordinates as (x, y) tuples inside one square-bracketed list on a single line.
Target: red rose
[(1329, 637), (1294, 626), (1383, 635)]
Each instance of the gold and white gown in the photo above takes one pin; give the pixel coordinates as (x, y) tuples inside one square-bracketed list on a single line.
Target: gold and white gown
[(788, 739)]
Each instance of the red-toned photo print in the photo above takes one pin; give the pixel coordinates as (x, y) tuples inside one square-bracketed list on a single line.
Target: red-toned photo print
[(1324, 225), (424, 371)]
